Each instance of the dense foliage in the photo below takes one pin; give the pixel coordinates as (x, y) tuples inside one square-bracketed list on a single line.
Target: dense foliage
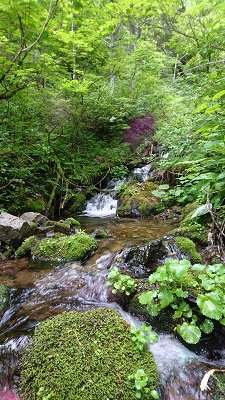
[(75, 74)]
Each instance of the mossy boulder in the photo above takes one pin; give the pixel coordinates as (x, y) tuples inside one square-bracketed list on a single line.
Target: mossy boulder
[(188, 248), (72, 221), (85, 356), (100, 233), (136, 200), (70, 248), (196, 232)]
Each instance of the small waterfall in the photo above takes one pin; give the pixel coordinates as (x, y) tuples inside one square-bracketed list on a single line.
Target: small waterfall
[(142, 174), (104, 204)]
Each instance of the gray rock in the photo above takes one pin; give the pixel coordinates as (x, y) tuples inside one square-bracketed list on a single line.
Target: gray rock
[(35, 218), (13, 230)]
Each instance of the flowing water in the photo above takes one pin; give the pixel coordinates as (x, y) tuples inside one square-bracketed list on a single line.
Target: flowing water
[(39, 290)]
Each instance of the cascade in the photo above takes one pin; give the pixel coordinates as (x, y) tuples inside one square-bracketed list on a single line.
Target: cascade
[(104, 204)]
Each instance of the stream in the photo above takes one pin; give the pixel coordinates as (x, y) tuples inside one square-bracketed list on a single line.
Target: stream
[(39, 290)]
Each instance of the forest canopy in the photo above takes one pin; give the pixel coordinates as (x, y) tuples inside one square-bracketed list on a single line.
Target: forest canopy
[(74, 75)]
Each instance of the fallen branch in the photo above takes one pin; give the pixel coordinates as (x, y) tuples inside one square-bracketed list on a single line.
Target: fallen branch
[(205, 379)]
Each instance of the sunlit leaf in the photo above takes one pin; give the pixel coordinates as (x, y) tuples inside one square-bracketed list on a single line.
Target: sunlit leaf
[(190, 333), (218, 95)]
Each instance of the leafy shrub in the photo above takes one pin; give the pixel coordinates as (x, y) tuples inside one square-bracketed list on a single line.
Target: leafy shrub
[(121, 282), (210, 300)]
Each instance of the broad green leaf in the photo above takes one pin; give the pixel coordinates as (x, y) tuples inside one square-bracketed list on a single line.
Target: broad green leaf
[(178, 271), (165, 298), (210, 306), (219, 269), (190, 333), (218, 95), (212, 109), (222, 321), (153, 309), (164, 187), (201, 211), (147, 297), (198, 267), (201, 107), (152, 337), (181, 293), (207, 326)]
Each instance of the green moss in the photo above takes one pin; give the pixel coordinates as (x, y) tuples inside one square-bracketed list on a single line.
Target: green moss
[(70, 248), (60, 226), (136, 199), (9, 252), (188, 247), (78, 203), (4, 297), (217, 385), (72, 221), (197, 233), (26, 247), (85, 356), (189, 210)]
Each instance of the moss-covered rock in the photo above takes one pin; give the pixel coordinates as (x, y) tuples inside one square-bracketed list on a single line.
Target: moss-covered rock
[(188, 248), (100, 234), (136, 200), (70, 248), (26, 247), (85, 356), (196, 232), (72, 221), (60, 226)]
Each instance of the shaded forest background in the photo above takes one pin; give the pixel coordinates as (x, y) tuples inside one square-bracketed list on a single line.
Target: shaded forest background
[(85, 84)]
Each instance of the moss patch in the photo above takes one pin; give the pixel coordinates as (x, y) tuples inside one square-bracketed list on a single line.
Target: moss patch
[(26, 247), (70, 248), (72, 221), (86, 356), (188, 247), (196, 232)]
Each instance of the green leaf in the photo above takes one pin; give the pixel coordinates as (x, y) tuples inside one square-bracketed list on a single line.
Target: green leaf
[(190, 333), (207, 326), (147, 297), (154, 394), (210, 305), (201, 211), (201, 107), (218, 95), (165, 297), (179, 270), (153, 309), (153, 337)]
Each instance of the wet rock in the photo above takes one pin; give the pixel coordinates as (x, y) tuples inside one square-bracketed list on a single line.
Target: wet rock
[(13, 230), (141, 260), (35, 218), (100, 234)]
